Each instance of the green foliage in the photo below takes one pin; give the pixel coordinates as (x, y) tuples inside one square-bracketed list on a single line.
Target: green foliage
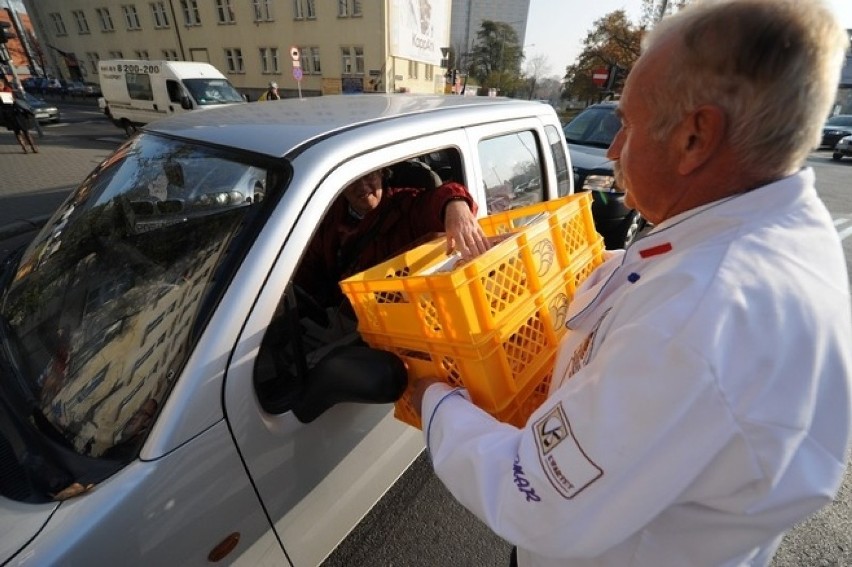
[(614, 41), (495, 60)]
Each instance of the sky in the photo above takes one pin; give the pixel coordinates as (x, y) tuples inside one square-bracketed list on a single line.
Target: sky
[(557, 28)]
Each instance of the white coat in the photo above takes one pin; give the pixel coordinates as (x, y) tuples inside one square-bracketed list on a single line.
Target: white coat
[(700, 404)]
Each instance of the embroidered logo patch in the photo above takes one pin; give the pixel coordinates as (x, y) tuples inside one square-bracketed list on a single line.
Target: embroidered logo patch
[(564, 462)]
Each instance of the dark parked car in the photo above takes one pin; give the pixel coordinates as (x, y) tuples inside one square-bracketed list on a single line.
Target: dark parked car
[(835, 128), (589, 135)]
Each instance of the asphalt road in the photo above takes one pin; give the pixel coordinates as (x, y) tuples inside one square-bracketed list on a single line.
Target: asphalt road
[(417, 523)]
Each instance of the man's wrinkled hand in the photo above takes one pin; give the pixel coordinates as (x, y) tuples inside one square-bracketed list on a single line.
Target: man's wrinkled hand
[(418, 388)]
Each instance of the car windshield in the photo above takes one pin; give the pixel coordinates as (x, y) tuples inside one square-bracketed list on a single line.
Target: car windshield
[(101, 309), (212, 91), (843, 120), (595, 126)]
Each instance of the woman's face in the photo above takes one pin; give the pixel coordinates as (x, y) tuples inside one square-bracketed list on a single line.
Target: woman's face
[(365, 193)]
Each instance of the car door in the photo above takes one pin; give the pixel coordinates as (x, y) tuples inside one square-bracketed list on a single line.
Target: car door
[(316, 479)]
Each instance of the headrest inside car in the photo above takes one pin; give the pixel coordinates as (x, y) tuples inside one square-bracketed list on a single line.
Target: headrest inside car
[(414, 174)]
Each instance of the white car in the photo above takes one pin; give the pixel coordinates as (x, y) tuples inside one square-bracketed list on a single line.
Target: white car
[(168, 396), (843, 148)]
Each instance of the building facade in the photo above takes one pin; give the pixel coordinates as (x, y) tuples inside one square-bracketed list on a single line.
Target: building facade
[(344, 46), (468, 15), (17, 58)]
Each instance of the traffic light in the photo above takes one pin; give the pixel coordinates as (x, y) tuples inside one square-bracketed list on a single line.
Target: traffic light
[(6, 33)]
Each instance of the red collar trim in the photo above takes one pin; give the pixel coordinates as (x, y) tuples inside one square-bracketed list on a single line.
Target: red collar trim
[(663, 248)]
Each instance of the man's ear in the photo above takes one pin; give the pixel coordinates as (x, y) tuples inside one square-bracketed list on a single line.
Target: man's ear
[(701, 134)]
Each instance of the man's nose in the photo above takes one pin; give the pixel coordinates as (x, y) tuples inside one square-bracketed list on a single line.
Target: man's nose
[(614, 150)]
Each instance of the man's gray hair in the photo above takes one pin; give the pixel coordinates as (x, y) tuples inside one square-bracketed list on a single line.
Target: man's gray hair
[(773, 66)]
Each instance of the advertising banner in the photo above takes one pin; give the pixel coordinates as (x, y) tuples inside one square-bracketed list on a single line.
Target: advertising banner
[(419, 29)]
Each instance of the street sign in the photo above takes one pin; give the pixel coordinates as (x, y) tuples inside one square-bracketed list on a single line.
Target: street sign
[(294, 53), (600, 76), (297, 73)]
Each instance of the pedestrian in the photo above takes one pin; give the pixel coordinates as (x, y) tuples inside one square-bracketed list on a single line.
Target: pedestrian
[(271, 93), (16, 114), (700, 402)]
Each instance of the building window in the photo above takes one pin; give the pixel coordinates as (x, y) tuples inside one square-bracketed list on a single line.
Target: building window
[(316, 69), (92, 57), (105, 19), (359, 59), (311, 9), (412, 69), (142, 54), (82, 24), (348, 8), (269, 62), (298, 9), (116, 55), (190, 12), (224, 12), (346, 60), (352, 59), (170, 55), (131, 18), (161, 18), (58, 24), (234, 56), (262, 10), (430, 72)]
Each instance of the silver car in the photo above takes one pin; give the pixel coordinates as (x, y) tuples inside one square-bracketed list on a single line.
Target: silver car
[(44, 111), (843, 148), (168, 395)]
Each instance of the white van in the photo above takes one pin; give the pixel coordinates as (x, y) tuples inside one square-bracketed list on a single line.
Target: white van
[(136, 92)]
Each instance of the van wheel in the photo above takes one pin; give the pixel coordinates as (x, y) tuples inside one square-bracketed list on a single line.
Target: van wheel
[(129, 128), (836, 156)]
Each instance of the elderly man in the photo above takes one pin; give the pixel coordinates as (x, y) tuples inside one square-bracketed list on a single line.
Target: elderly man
[(700, 403)]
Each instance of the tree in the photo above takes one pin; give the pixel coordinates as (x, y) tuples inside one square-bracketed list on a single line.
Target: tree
[(495, 60), (536, 68), (655, 10), (614, 43)]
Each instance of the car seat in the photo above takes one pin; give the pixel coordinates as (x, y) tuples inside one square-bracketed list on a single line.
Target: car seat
[(413, 173)]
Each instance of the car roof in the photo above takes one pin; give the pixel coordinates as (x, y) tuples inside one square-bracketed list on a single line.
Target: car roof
[(280, 128)]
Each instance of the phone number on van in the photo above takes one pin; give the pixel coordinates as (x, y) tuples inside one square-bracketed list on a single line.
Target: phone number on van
[(140, 68)]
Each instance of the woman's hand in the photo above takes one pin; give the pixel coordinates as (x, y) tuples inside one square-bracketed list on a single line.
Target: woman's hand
[(464, 235)]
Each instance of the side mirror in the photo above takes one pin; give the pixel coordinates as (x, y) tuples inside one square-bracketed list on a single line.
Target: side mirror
[(186, 102), (351, 374)]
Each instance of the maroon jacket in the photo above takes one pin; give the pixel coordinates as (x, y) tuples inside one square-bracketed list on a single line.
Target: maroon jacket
[(344, 245)]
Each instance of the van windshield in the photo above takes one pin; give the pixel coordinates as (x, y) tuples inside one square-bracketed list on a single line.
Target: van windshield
[(207, 92)]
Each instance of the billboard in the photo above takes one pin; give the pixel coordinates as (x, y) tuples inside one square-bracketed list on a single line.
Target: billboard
[(419, 29)]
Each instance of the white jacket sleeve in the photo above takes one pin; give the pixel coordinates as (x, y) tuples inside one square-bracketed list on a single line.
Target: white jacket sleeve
[(610, 449)]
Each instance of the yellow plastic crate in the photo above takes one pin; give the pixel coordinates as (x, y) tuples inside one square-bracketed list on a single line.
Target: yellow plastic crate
[(407, 297), (504, 372)]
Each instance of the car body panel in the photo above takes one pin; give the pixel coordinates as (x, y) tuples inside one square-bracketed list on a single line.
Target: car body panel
[(151, 509), (19, 523)]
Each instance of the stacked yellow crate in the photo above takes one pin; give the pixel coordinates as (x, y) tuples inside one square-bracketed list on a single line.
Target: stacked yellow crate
[(491, 325)]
